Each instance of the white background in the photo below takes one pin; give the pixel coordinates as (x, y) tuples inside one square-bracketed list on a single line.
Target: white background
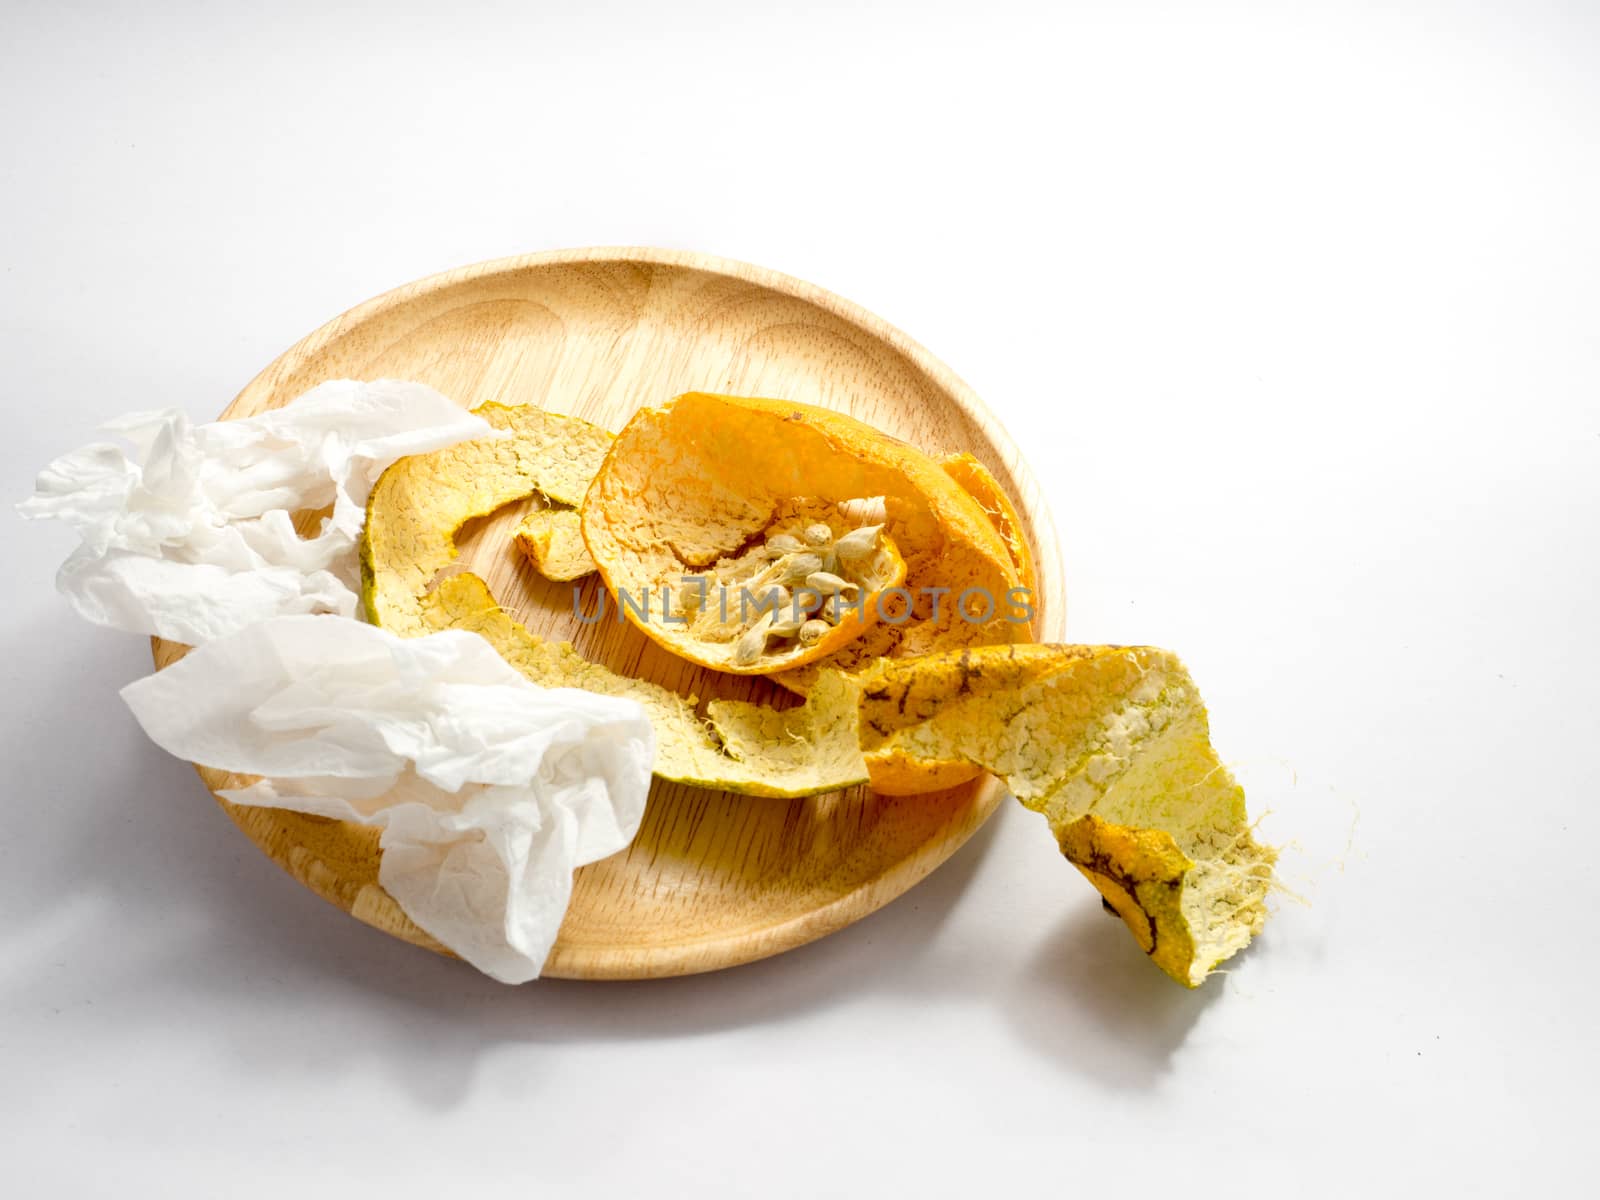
[(1298, 315)]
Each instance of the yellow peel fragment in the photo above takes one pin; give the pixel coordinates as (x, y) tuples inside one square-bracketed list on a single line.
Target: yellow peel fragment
[(1112, 745), (408, 537), (739, 747), (983, 487), (552, 540)]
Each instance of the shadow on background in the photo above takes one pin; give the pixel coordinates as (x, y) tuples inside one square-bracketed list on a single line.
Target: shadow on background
[(1090, 1001)]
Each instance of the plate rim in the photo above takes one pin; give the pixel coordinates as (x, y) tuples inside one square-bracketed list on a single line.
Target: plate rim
[(734, 949)]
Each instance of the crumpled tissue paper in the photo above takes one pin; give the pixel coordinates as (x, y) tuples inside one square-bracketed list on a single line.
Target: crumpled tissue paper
[(192, 537), (489, 790)]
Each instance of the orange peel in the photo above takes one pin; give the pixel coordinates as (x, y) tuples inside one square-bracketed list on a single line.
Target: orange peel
[(552, 540), (699, 484), (408, 551), (1112, 745)]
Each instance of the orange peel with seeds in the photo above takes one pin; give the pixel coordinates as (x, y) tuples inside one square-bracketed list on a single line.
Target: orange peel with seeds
[(699, 485)]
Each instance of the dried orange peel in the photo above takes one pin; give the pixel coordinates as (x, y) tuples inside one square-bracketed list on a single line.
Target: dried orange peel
[(807, 586), (702, 483), (979, 483), (402, 549), (1112, 745), (552, 540), (737, 747), (408, 545)]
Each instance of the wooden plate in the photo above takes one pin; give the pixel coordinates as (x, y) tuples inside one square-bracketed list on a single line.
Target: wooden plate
[(712, 879)]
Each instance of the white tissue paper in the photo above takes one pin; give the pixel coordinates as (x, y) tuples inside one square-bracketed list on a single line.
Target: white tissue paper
[(489, 790), (192, 537)]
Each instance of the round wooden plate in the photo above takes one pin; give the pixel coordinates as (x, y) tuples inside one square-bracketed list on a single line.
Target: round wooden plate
[(712, 879)]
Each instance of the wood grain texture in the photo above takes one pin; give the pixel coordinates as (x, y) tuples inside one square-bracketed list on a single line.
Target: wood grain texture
[(712, 879)]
